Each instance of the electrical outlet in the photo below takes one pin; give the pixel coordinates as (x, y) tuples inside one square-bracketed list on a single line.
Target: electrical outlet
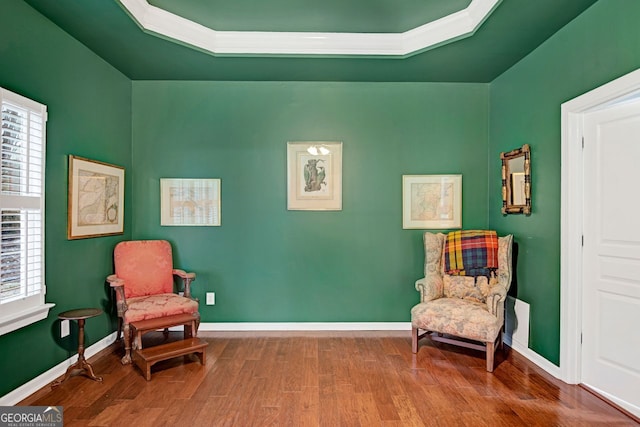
[(64, 328), (211, 298)]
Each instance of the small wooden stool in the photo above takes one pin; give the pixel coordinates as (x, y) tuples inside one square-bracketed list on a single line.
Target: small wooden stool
[(146, 358), (141, 327)]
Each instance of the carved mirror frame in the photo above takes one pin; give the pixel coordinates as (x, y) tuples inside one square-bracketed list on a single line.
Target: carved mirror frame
[(509, 206)]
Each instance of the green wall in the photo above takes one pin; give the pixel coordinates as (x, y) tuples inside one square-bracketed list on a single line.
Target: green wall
[(600, 45), (267, 264), (89, 107)]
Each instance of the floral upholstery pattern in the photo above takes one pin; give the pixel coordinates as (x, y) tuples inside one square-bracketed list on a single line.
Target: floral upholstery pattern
[(145, 266), (457, 317), (466, 287), (154, 306), (461, 306)]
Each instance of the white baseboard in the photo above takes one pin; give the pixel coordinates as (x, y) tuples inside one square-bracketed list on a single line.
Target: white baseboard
[(49, 376), (635, 410), (517, 335), (26, 390), (534, 357), (306, 326)]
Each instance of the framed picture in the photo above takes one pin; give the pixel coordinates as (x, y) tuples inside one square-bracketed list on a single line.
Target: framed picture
[(314, 176), (432, 201), (189, 202), (95, 200)]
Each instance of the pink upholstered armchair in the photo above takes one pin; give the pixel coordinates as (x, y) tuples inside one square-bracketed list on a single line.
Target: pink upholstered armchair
[(143, 282), (459, 309)]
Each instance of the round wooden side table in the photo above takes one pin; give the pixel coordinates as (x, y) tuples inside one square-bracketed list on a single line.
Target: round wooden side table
[(81, 365)]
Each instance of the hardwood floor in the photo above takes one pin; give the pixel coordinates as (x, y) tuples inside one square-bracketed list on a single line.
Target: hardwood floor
[(325, 379)]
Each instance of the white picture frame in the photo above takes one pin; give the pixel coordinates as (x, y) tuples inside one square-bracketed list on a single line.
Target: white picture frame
[(431, 201), (190, 202), (314, 176)]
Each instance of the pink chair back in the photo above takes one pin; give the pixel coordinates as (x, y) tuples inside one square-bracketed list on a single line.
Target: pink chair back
[(146, 266)]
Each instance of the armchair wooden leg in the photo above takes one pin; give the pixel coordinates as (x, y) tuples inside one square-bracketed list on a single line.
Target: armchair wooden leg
[(491, 347), (126, 359), (414, 340)]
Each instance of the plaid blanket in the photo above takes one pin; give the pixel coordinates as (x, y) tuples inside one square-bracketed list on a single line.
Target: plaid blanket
[(471, 253)]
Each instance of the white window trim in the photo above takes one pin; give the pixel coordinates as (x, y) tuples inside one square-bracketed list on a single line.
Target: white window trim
[(27, 310)]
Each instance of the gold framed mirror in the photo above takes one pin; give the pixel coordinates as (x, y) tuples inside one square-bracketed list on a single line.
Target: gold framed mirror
[(516, 181)]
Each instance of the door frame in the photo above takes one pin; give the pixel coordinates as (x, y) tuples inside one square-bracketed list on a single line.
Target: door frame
[(571, 226)]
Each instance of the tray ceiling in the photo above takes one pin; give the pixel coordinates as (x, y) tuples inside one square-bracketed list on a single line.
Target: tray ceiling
[(506, 32), (307, 41)]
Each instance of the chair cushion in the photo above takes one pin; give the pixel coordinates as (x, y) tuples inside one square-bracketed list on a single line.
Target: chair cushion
[(457, 317), (465, 287), (160, 305), (146, 266)]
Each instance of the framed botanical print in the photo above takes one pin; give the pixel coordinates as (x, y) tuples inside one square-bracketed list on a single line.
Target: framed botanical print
[(314, 176)]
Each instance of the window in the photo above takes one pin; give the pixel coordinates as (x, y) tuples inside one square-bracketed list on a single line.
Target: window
[(22, 143)]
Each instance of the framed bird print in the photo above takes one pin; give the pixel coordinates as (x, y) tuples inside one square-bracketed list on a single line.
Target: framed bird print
[(314, 176)]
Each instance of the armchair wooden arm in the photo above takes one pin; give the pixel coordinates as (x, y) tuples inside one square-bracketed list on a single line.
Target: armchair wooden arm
[(187, 278), (121, 301), (115, 281)]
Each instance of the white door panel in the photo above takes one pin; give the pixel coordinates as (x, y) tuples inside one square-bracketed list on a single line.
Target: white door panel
[(611, 264), (618, 312)]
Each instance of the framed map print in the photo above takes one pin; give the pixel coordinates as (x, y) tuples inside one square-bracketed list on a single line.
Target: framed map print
[(95, 199), (432, 201), (190, 202), (314, 176)]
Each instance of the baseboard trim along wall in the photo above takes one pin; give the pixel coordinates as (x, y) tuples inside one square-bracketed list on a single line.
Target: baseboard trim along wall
[(516, 334), (535, 358), (49, 376), (306, 326), (46, 378)]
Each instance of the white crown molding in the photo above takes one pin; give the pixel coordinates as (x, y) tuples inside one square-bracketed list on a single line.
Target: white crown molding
[(444, 30)]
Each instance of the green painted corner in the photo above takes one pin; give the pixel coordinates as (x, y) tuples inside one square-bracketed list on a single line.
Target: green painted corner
[(600, 45), (269, 264), (89, 109)]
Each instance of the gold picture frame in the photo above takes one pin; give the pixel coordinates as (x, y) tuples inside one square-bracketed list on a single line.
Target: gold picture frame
[(314, 176), (95, 199), (431, 201), (516, 181), (190, 202)]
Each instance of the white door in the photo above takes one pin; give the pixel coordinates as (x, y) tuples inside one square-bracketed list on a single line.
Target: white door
[(611, 263)]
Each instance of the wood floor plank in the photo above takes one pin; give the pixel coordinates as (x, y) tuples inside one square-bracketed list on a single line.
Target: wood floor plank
[(329, 379)]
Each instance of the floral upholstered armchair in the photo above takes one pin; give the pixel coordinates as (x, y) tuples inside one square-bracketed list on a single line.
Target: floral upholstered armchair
[(455, 304), (143, 282)]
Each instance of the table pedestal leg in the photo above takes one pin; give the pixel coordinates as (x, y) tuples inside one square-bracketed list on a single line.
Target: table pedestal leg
[(81, 365)]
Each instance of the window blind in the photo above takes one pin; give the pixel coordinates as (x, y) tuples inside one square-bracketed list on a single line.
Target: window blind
[(21, 199)]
